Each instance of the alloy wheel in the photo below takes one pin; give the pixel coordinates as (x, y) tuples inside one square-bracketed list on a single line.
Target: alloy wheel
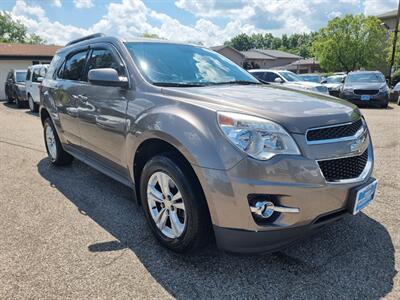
[(51, 143), (166, 205)]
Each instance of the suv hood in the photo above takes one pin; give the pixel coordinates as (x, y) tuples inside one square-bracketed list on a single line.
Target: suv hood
[(296, 110), (365, 85)]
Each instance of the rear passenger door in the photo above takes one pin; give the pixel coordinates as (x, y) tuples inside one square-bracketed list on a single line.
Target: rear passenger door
[(66, 92), (102, 111)]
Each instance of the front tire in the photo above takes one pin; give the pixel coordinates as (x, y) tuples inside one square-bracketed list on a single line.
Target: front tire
[(33, 107), (54, 149), (398, 101), (174, 204)]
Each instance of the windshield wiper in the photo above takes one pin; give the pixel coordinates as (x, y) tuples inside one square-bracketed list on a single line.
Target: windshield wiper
[(178, 84), (234, 82)]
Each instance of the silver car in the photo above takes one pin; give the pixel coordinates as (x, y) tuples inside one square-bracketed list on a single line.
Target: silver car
[(208, 151)]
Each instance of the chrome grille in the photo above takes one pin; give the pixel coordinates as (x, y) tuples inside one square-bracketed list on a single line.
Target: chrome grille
[(334, 132)]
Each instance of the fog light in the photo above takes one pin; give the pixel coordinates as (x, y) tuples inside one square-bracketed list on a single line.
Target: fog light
[(265, 209)]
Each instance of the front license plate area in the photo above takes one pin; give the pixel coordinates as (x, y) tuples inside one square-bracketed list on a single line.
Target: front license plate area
[(365, 97), (364, 196)]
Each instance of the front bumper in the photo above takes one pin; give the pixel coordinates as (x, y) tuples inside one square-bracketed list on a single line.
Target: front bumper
[(292, 181), (377, 100)]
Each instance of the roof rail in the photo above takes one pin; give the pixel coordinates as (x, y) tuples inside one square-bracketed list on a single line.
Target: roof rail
[(88, 37)]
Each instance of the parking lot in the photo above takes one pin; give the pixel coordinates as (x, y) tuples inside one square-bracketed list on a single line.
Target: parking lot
[(72, 232)]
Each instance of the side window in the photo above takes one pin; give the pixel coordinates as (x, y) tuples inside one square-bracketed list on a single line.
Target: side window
[(53, 66), (258, 75), (102, 58), (74, 66), (35, 74), (270, 77), (28, 74)]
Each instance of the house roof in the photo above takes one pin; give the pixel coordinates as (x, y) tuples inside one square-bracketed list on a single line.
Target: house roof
[(27, 50), (256, 55), (307, 61), (216, 48), (277, 53), (389, 14)]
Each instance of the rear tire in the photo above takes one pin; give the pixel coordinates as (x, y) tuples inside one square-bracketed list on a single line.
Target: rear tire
[(193, 229), (56, 153)]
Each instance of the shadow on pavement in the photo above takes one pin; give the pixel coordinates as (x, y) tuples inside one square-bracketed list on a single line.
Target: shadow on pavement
[(353, 258)]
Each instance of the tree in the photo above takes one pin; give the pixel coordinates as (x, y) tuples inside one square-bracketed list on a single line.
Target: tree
[(242, 42), (14, 32), (350, 43)]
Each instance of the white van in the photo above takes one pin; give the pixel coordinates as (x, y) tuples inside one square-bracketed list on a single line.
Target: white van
[(34, 78)]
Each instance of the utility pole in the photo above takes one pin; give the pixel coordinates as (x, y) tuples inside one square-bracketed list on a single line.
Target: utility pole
[(396, 31)]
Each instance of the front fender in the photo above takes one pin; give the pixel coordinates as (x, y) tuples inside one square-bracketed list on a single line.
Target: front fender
[(191, 129)]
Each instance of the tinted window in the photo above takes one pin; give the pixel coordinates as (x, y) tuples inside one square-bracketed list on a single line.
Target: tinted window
[(35, 74), (53, 66), (185, 65), (28, 74), (20, 76), (270, 77), (365, 77), (258, 75), (74, 66), (101, 58)]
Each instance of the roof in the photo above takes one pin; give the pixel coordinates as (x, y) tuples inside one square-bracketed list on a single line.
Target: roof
[(389, 14), (256, 55), (277, 53), (27, 50), (307, 61), (218, 48)]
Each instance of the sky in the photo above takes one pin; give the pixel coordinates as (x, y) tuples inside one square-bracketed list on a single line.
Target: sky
[(210, 22)]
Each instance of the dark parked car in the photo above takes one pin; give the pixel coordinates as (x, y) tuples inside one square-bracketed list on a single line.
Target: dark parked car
[(15, 87), (207, 150), (366, 88)]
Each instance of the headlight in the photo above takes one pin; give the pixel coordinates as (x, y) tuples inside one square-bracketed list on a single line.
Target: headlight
[(384, 88), (259, 138)]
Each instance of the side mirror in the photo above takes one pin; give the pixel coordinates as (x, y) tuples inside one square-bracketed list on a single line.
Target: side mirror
[(343, 79), (324, 81), (278, 80), (107, 77), (40, 79)]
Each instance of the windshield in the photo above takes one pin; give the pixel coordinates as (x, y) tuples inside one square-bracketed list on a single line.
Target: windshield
[(290, 76), (311, 78), (334, 79), (365, 77), (184, 65), (20, 76)]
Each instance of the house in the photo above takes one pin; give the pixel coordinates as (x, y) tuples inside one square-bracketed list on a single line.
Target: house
[(21, 56), (231, 53), (389, 18), (302, 66), (257, 58)]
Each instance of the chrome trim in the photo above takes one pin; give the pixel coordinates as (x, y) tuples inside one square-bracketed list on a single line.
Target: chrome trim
[(363, 175), (360, 132)]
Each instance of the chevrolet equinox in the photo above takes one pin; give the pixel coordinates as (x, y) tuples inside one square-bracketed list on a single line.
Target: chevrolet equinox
[(208, 151)]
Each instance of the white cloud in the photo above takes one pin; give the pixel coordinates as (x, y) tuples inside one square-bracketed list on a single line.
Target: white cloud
[(83, 3), (375, 7), (56, 3), (131, 18)]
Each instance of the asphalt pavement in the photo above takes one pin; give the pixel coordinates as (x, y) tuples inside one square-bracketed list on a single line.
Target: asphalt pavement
[(72, 232)]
